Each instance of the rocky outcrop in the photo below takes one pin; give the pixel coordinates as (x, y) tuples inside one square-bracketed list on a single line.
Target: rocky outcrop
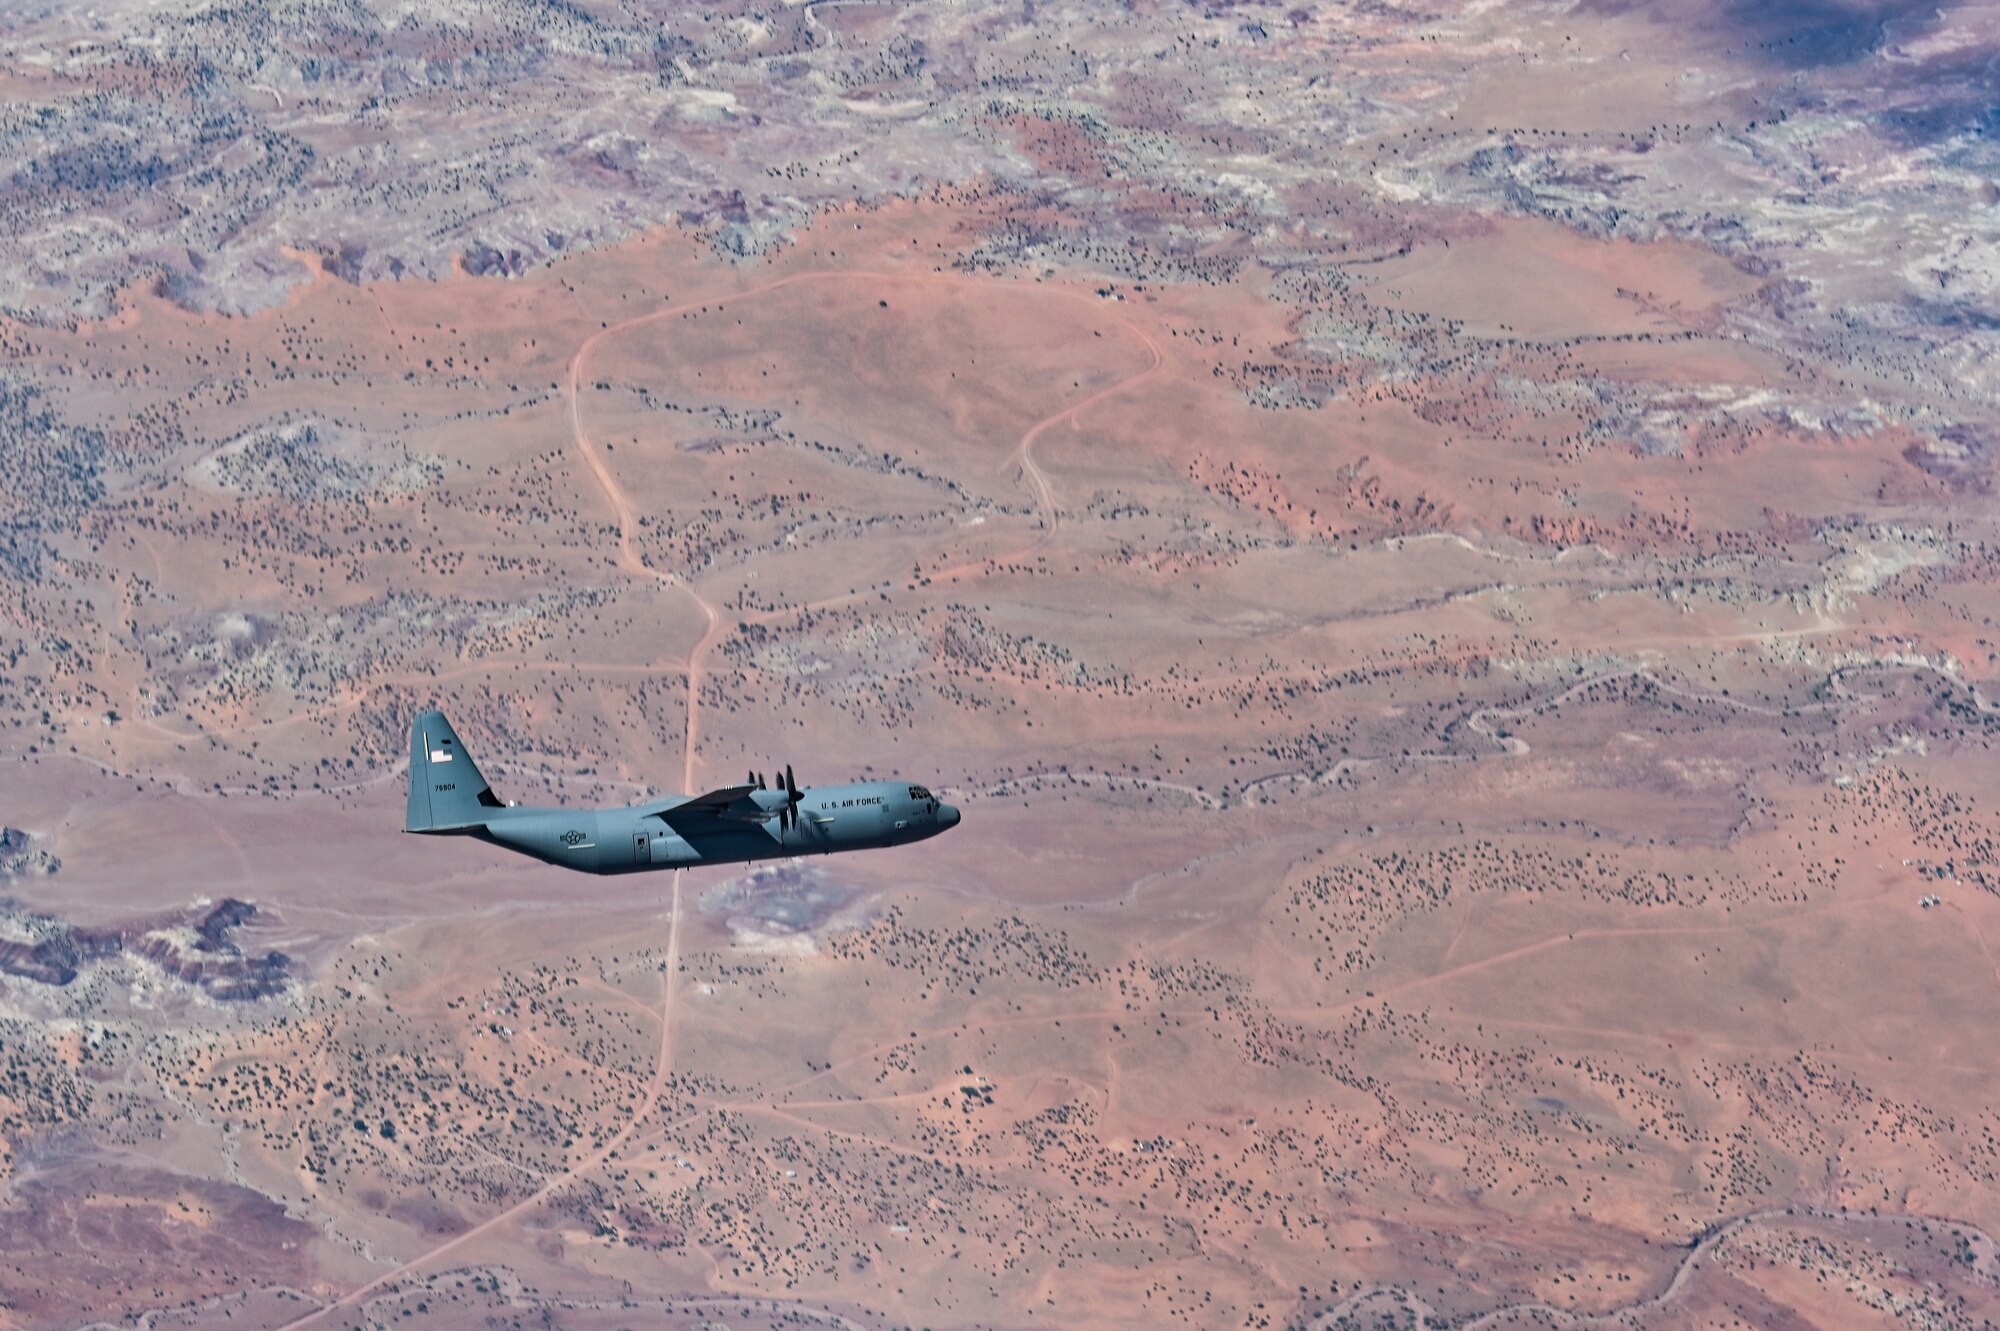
[(18, 855), (194, 949)]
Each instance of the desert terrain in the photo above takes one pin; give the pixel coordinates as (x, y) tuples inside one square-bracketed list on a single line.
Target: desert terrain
[(1448, 556)]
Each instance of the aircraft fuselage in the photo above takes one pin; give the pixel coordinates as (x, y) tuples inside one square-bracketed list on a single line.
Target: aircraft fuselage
[(732, 825), (649, 836)]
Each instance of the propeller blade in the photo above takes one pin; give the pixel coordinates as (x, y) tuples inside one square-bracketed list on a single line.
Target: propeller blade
[(788, 812)]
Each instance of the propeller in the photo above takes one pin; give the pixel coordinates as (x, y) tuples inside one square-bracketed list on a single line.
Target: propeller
[(788, 813)]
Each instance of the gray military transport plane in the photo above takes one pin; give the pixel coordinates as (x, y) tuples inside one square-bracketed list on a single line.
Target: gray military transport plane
[(733, 825)]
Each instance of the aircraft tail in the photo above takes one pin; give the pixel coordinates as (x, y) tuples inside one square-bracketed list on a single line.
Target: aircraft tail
[(447, 794)]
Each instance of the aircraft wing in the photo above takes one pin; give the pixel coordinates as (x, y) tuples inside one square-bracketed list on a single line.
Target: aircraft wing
[(731, 804)]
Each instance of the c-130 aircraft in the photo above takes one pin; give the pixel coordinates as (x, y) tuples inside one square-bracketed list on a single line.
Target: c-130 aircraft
[(733, 825)]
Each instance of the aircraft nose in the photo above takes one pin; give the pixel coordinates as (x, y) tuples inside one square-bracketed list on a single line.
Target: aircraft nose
[(947, 816)]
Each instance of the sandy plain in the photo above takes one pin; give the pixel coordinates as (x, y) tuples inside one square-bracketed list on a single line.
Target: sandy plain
[(1475, 745), (1389, 889)]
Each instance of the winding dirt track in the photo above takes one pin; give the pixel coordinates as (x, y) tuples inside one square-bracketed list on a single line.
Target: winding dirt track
[(663, 1061), (1024, 452), (662, 1068), (634, 563)]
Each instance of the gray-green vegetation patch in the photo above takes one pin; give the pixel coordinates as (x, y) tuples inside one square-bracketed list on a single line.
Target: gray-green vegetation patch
[(311, 458), (52, 474)]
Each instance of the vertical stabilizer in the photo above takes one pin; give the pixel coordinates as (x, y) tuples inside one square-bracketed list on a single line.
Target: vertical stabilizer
[(447, 793)]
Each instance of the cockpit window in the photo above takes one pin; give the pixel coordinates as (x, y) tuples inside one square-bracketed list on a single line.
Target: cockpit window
[(919, 793)]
